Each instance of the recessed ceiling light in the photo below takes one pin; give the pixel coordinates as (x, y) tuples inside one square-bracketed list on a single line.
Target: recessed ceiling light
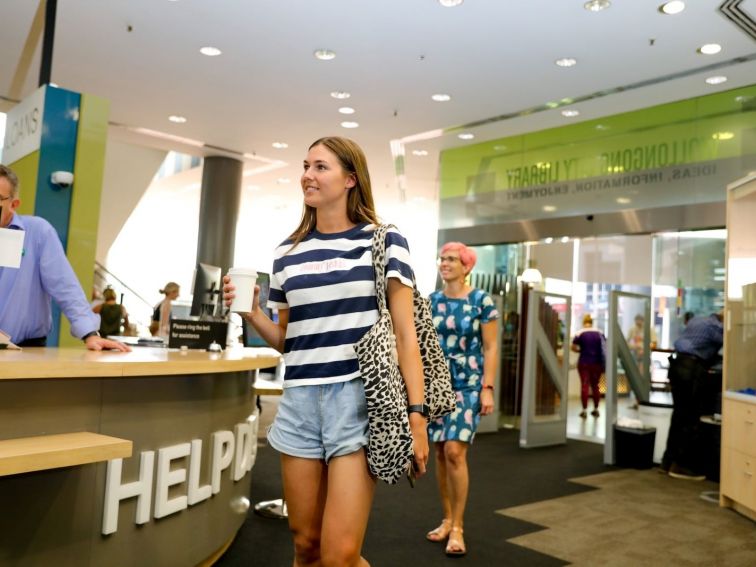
[(341, 95), (566, 62), (623, 200), (177, 119), (350, 124), (324, 54), (450, 3), (280, 145), (717, 80), (282, 180), (570, 112), (210, 51), (723, 135), (548, 240), (710, 49), (441, 97), (419, 152), (564, 239), (346, 110), (465, 136), (596, 5), (673, 7), (549, 208)]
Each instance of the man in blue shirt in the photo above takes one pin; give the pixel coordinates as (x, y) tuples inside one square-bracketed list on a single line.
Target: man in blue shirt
[(696, 350), (26, 292)]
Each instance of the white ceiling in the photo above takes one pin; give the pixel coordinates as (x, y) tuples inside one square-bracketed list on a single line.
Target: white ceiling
[(494, 57)]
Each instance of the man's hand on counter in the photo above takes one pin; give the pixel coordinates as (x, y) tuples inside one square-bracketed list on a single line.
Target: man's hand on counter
[(95, 342)]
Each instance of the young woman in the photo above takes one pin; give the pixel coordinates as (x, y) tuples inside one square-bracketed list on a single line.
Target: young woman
[(591, 344), (161, 314), (465, 319), (323, 286)]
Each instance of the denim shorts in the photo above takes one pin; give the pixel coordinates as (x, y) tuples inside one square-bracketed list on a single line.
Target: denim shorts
[(320, 422)]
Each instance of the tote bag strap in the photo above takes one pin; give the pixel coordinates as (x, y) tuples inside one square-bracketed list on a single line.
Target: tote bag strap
[(379, 251)]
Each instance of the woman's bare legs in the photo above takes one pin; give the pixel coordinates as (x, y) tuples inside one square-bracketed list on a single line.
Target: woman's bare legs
[(442, 531), (305, 487), (453, 485), (328, 526), (455, 454), (347, 511)]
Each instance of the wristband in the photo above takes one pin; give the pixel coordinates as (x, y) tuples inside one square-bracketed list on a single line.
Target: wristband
[(488, 387), (90, 334)]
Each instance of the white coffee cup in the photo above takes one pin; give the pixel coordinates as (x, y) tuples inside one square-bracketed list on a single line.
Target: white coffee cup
[(244, 279)]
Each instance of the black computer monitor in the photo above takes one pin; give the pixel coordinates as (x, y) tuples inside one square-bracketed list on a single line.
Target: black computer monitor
[(207, 291), (250, 337)]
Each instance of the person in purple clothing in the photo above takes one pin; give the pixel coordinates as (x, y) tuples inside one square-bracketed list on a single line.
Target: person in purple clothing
[(590, 343), (44, 274)]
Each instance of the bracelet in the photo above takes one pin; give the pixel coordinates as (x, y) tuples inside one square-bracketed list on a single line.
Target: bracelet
[(488, 387)]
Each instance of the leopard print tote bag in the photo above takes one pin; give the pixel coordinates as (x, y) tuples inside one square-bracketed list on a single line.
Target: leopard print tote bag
[(389, 450)]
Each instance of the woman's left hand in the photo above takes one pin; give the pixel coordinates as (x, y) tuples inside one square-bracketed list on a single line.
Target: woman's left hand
[(486, 401), (419, 427)]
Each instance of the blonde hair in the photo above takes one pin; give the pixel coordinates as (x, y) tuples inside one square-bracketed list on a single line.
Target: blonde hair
[(360, 205), (170, 287)]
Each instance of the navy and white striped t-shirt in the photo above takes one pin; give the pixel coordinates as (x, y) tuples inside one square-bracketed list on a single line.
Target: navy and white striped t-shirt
[(328, 285)]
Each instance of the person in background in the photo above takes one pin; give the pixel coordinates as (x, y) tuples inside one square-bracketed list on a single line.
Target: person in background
[(696, 350), (323, 286), (112, 314), (465, 319), (26, 292), (161, 314), (635, 339), (688, 316), (591, 344)]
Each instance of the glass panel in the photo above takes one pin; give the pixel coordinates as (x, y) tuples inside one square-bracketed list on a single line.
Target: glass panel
[(689, 274), (496, 272), (552, 313)]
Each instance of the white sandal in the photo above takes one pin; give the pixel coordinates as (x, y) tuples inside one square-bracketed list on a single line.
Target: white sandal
[(455, 547), (440, 533)]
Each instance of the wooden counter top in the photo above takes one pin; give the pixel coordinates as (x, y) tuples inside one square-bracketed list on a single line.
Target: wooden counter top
[(46, 452), (41, 363)]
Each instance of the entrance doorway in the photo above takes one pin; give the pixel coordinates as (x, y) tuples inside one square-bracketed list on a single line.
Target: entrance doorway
[(682, 272)]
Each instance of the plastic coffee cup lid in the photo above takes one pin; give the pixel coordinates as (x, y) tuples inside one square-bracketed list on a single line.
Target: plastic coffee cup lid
[(242, 271)]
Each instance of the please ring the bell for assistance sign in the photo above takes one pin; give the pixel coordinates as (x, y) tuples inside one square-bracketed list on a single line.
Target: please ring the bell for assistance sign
[(196, 334)]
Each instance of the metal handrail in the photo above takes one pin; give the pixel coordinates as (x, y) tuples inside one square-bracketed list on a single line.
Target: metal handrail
[(121, 283)]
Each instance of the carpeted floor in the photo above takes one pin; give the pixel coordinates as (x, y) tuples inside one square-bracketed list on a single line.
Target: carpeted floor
[(502, 476), (640, 517)]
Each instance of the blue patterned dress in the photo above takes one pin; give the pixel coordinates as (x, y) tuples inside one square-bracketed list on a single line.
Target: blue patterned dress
[(457, 322)]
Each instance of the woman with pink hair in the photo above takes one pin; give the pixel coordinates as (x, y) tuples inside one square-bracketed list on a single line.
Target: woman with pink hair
[(465, 319)]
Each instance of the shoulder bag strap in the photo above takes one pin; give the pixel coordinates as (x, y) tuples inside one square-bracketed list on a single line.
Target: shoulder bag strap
[(379, 251)]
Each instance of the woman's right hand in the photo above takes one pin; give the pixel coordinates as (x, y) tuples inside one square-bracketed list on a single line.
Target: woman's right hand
[(229, 293), (228, 290)]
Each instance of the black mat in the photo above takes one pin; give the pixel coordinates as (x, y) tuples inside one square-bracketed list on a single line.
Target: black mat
[(501, 475)]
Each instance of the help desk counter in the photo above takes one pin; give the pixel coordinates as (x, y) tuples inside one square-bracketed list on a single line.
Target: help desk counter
[(137, 458)]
